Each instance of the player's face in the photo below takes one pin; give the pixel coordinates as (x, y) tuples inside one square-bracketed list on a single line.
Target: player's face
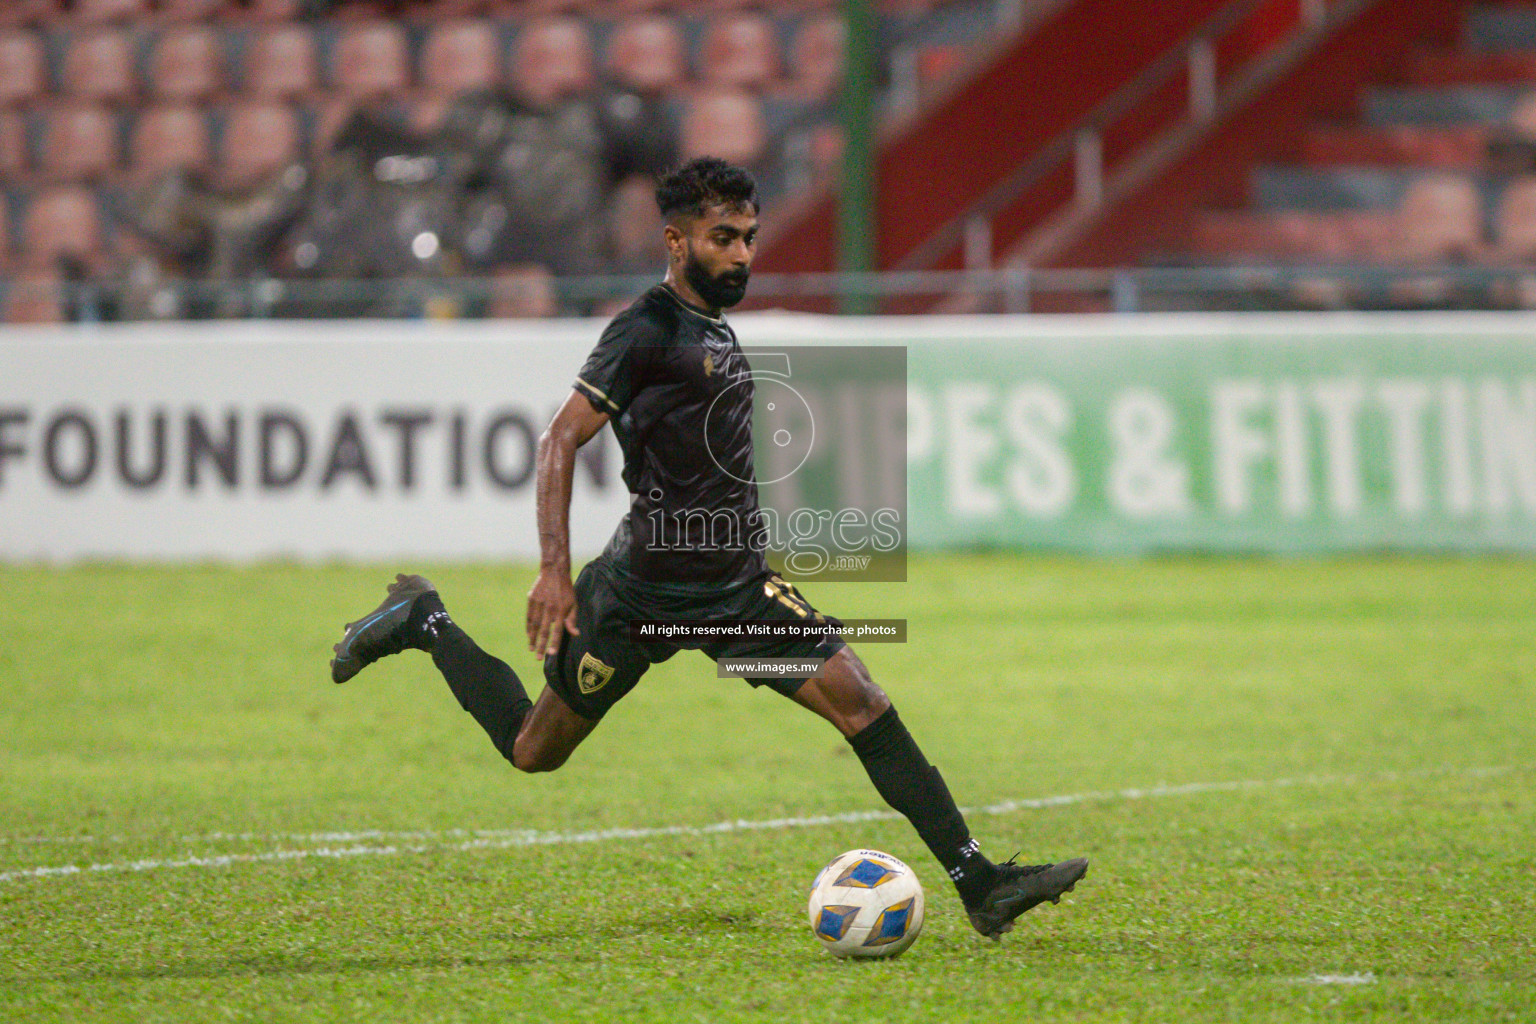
[(718, 254)]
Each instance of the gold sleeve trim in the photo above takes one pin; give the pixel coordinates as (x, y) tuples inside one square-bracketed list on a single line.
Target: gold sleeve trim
[(597, 394)]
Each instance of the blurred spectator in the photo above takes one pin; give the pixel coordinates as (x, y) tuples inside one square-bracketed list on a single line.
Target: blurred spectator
[(186, 63), (98, 65), (282, 64), (22, 67)]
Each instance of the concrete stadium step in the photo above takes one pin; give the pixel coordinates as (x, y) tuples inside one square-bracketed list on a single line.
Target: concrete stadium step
[(1463, 104), (1453, 147)]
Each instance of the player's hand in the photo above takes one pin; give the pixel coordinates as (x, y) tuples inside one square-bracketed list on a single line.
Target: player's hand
[(551, 612)]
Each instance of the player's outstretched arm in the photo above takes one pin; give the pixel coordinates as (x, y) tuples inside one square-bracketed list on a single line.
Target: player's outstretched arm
[(552, 601)]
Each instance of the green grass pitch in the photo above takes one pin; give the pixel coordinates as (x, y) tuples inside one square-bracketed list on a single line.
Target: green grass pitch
[(1306, 788)]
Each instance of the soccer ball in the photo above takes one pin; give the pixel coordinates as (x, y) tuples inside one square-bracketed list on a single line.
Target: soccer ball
[(866, 904)]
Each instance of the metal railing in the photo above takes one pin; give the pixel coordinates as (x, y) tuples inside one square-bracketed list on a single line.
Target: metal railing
[(1009, 290)]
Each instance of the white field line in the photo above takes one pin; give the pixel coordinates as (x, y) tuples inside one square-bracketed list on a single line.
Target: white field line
[(453, 840)]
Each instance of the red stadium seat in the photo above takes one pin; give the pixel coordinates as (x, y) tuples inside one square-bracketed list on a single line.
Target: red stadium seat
[(371, 61), (23, 73), (1514, 222), (281, 64), (522, 291), (30, 13), (460, 57), (187, 63), (727, 124), (80, 143), (102, 12), (740, 50), (180, 12), (13, 146), (169, 138), (647, 54), (634, 227), (1523, 117), (552, 60), (59, 222), (259, 138), (98, 65), (271, 12), (1442, 218), (35, 296), (1449, 147), (816, 56)]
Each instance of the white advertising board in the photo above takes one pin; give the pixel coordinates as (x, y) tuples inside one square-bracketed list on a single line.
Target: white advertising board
[(357, 440)]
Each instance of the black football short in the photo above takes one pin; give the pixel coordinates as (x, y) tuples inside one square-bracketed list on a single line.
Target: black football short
[(595, 669)]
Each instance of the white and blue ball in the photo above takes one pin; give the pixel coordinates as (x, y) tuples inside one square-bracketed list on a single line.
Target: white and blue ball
[(866, 904)]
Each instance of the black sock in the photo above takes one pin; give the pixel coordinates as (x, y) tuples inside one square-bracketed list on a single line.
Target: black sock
[(485, 685), (914, 787)]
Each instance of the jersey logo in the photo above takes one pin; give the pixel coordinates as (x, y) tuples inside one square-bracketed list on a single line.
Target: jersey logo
[(592, 675), (709, 366)]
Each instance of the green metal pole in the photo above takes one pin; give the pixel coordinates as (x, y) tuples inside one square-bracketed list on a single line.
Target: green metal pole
[(856, 197)]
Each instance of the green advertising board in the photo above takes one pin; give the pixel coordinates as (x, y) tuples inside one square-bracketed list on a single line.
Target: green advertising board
[(1290, 434)]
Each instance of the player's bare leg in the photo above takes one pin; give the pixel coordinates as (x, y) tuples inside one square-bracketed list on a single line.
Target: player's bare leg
[(549, 734), (994, 894), (844, 694)]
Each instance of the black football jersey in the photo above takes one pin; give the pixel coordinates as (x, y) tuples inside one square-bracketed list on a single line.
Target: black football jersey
[(678, 391)]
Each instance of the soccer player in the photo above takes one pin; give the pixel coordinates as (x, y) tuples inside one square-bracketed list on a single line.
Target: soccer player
[(654, 377)]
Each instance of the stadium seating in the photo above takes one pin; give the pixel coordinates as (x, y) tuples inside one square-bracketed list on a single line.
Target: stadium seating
[(816, 56), (102, 12), (99, 65), (371, 61), (1421, 176), (61, 222), (282, 63), (552, 60), (259, 138), (169, 138), (100, 98), (647, 54), (740, 51), (728, 124), (14, 159), (460, 57), (23, 74), (81, 143), (187, 64)]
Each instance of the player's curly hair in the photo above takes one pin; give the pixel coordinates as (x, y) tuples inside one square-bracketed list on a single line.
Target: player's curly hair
[(704, 182)]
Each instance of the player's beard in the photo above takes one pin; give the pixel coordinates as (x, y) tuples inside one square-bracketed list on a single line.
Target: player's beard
[(721, 291)]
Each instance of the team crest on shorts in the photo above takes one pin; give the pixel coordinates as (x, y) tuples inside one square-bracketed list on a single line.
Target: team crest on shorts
[(592, 675)]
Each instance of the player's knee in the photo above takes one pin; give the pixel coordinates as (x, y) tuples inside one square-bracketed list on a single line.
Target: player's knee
[(533, 759), (858, 699)]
